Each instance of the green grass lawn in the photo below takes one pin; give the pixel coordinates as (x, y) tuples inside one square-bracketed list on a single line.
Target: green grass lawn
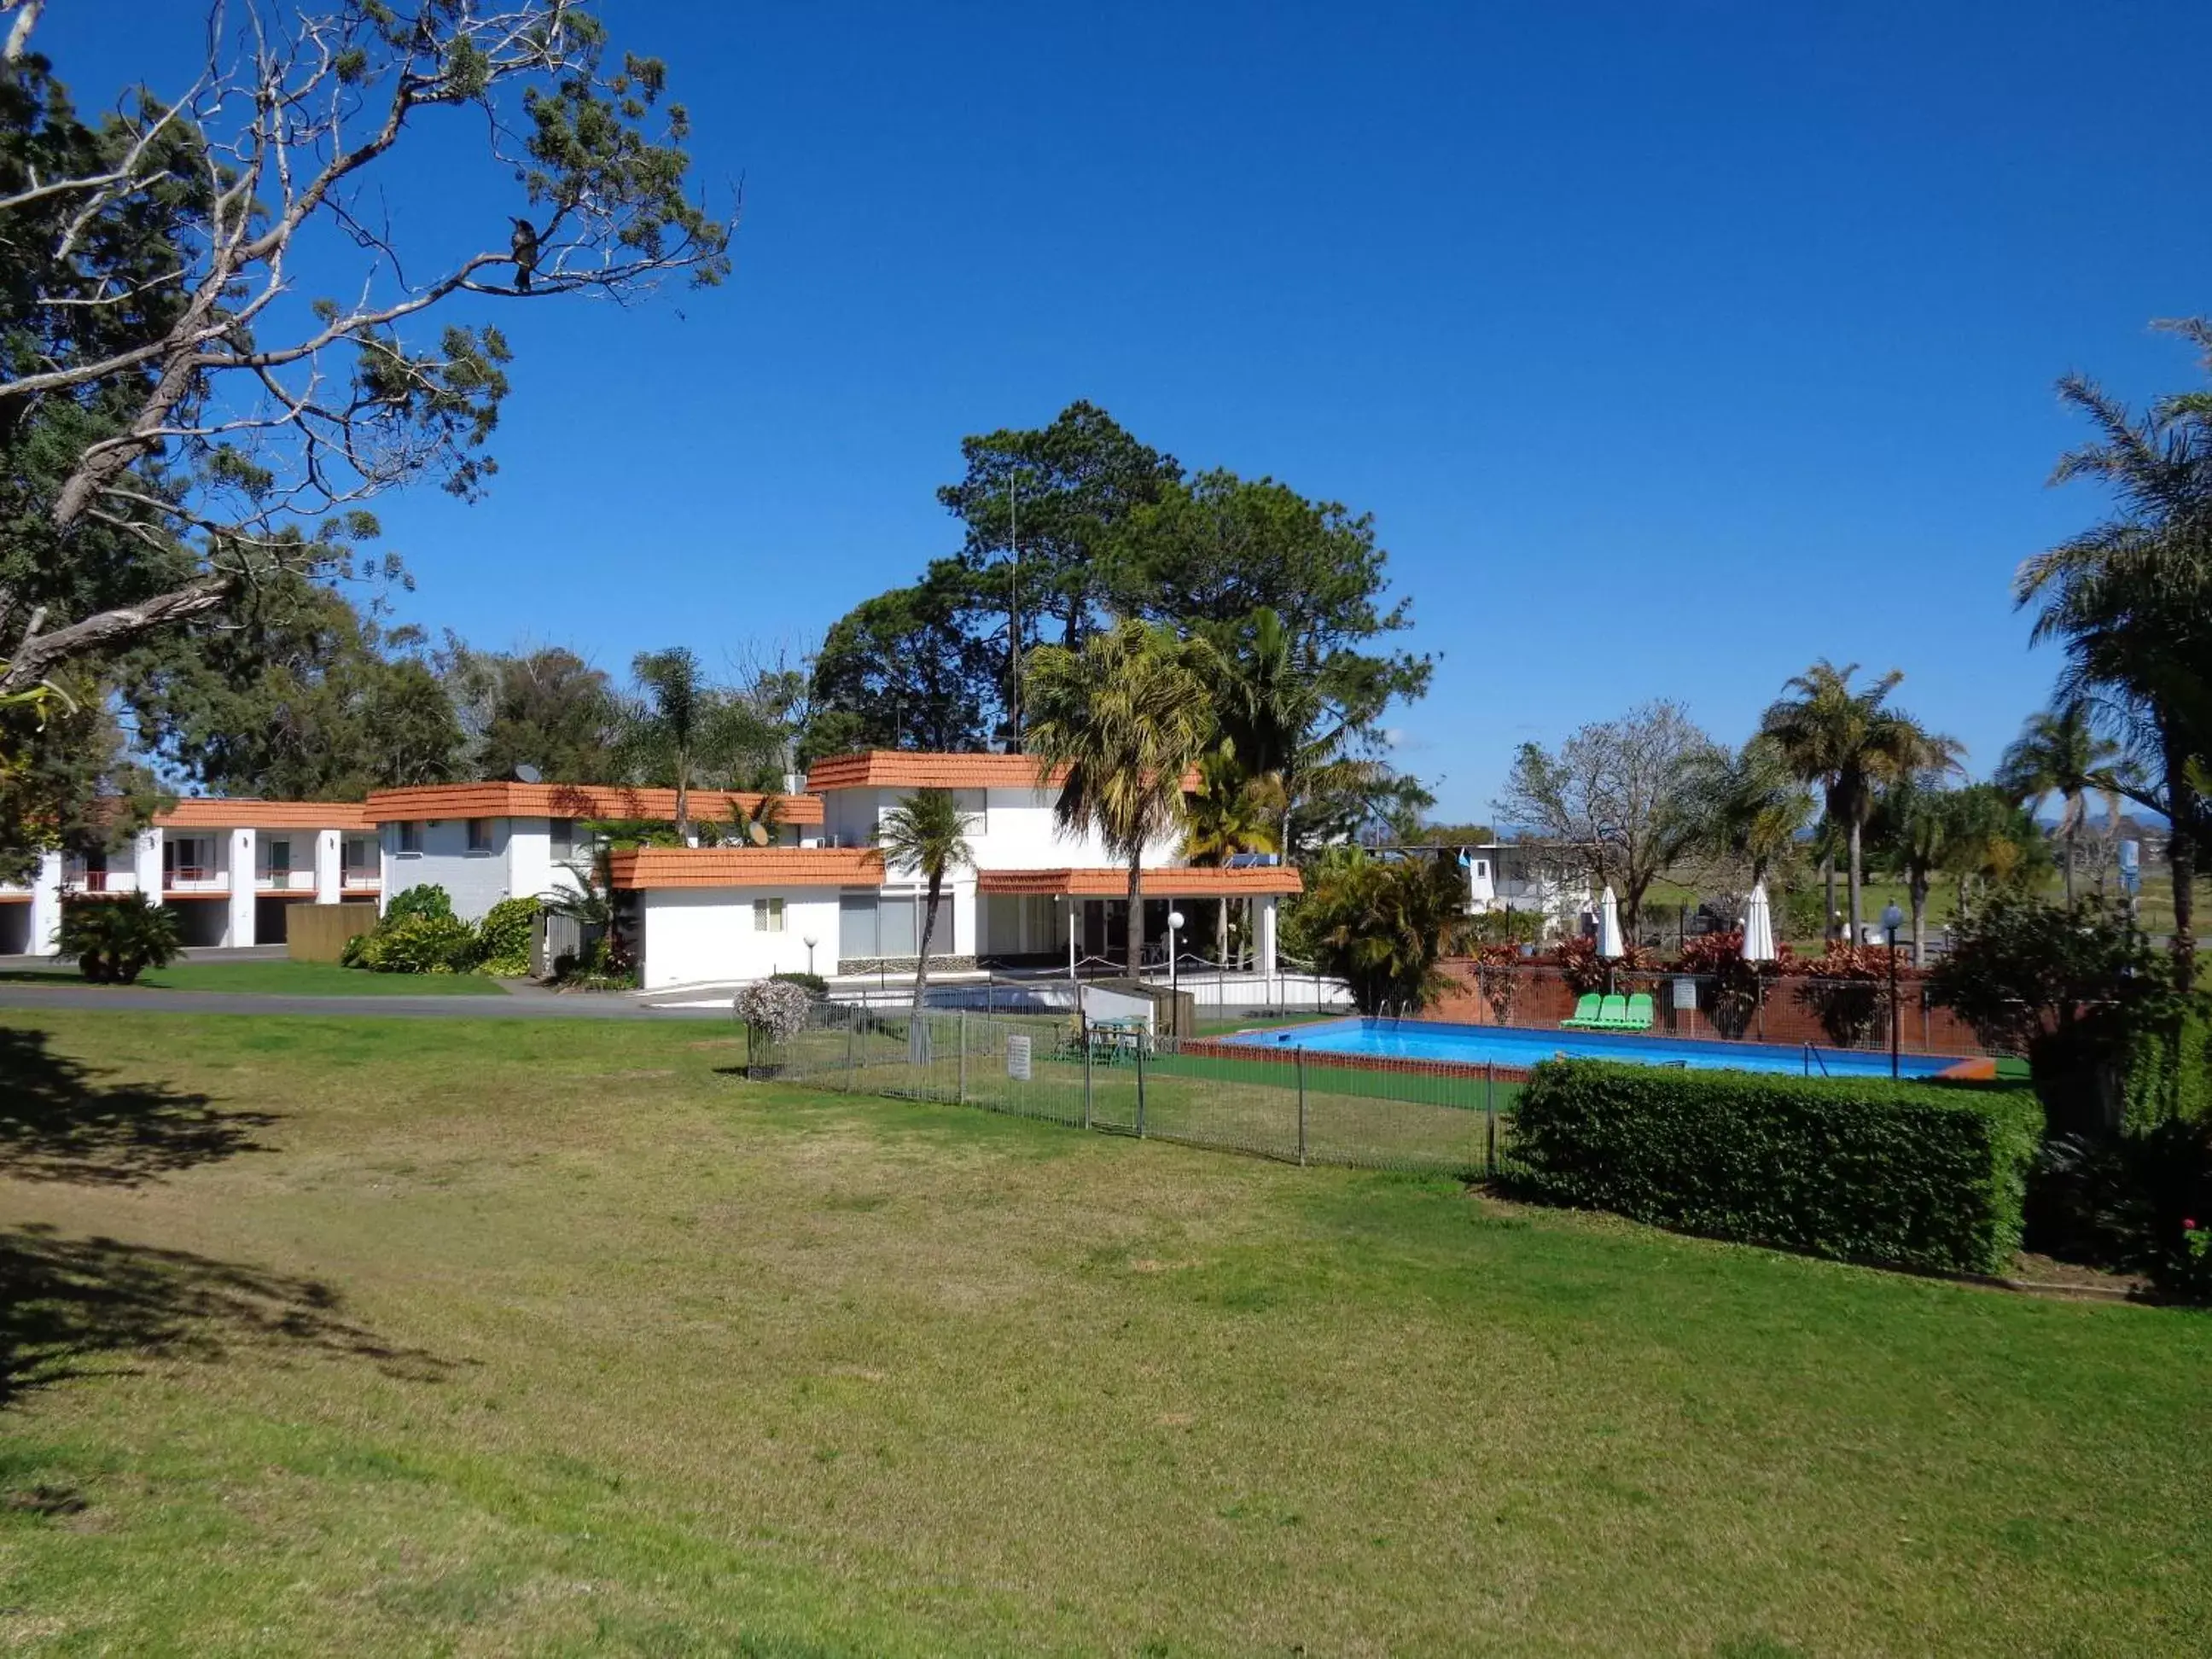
[(329, 1336), (283, 978)]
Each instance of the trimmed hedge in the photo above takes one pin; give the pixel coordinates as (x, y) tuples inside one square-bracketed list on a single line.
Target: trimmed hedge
[(1928, 1175), (2169, 1069)]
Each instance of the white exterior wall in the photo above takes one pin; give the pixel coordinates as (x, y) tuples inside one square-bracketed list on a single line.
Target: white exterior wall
[(705, 934), (240, 928), (529, 857), (474, 881), (46, 905)]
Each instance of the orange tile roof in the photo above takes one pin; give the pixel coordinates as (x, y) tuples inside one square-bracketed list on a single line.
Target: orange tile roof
[(902, 769), (220, 812), (569, 800), (1176, 881), (642, 867)]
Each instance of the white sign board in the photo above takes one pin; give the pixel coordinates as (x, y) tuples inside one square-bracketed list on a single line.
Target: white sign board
[(1018, 1058)]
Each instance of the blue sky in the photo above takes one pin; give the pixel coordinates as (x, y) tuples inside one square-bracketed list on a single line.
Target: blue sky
[(1671, 346)]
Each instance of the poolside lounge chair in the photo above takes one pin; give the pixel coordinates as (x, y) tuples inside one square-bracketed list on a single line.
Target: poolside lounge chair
[(1584, 1017), (1638, 1015), (1612, 1015)]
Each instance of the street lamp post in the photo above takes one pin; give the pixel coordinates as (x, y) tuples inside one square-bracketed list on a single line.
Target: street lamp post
[(811, 942), (1175, 922), (1891, 919)]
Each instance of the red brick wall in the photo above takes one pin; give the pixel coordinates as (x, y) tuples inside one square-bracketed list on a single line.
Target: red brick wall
[(1544, 1000)]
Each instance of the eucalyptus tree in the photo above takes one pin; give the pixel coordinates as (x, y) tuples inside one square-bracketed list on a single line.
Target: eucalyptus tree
[(2060, 752), (1850, 742), (2129, 599), (1118, 723), (179, 414)]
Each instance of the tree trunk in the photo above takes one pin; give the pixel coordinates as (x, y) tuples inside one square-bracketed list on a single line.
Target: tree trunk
[(1828, 900), (1916, 883), (2181, 859), (1134, 954), (2066, 856), (1221, 933), (928, 931), (1858, 881)]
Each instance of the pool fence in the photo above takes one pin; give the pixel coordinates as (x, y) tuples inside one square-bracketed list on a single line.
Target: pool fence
[(1114, 1075)]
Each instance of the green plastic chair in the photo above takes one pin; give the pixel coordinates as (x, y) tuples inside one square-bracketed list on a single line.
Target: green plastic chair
[(1585, 1013), (1613, 1014), (1640, 1013)]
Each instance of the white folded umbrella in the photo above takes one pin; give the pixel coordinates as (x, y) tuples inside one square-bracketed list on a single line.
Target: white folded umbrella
[(1608, 926), (1758, 927)]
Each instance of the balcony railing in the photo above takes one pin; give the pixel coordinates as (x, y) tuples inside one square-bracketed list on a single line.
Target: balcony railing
[(196, 877), (284, 881)]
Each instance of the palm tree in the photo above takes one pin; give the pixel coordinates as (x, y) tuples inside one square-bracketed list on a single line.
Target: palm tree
[(591, 902), (684, 730), (926, 833), (1757, 803), (2131, 598), (2059, 753), (1269, 706), (1851, 743), (1913, 828), (1127, 715), (1379, 925), (1233, 811)]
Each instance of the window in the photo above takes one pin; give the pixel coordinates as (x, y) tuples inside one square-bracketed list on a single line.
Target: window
[(768, 915), (280, 859), (480, 835), (563, 835), (974, 806), (856, 927), (357, 858), (410, 837)]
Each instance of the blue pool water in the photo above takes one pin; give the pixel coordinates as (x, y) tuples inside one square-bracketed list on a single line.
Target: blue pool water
[(1493, 1045)]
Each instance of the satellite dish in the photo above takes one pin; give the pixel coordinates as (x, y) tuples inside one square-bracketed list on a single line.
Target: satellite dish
[(527, 773), (757, 834)]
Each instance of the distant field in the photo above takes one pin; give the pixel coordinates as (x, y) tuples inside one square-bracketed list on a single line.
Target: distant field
[(367, 1337)]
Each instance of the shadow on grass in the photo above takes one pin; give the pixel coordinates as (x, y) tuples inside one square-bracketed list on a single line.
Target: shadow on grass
[(60, 1120), (67, 1304)]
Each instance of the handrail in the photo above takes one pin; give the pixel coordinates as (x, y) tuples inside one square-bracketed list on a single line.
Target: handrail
[(1811, 1059)]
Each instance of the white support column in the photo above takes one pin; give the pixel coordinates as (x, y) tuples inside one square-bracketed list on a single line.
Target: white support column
[(1265, 962), (145, 862), (240, 931), (46, 905), (329, 854)]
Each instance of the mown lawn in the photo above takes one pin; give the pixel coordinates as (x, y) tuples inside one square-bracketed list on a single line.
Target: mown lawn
[(395, 1337), (282, 978)]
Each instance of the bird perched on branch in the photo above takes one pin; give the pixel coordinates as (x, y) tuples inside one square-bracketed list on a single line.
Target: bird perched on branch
[(524, 246)]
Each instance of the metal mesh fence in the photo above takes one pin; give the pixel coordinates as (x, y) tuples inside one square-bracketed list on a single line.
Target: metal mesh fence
[(1454, 1120)]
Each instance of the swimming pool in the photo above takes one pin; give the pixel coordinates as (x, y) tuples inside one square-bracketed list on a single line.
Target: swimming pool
[(1497, 1045)]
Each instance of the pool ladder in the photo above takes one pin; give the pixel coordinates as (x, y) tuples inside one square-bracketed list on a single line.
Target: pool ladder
[(1811, 1059)]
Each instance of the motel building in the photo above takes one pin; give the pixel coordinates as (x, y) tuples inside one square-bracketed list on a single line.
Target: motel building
[(230, 868), (816, 897)]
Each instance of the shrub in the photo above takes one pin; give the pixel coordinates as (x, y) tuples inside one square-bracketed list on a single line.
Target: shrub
[(1497, 974), (2071, 990), (813, 984), (1729, 989), (415, 945), (1918, 1175), (428, 899), (1584, 970), (503, 938), (1847, 990), (115, 938), (774, 1011), (2140, 1202), (2169, 1066)]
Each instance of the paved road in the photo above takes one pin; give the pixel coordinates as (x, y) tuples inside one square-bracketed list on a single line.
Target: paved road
[(541, 1004)]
